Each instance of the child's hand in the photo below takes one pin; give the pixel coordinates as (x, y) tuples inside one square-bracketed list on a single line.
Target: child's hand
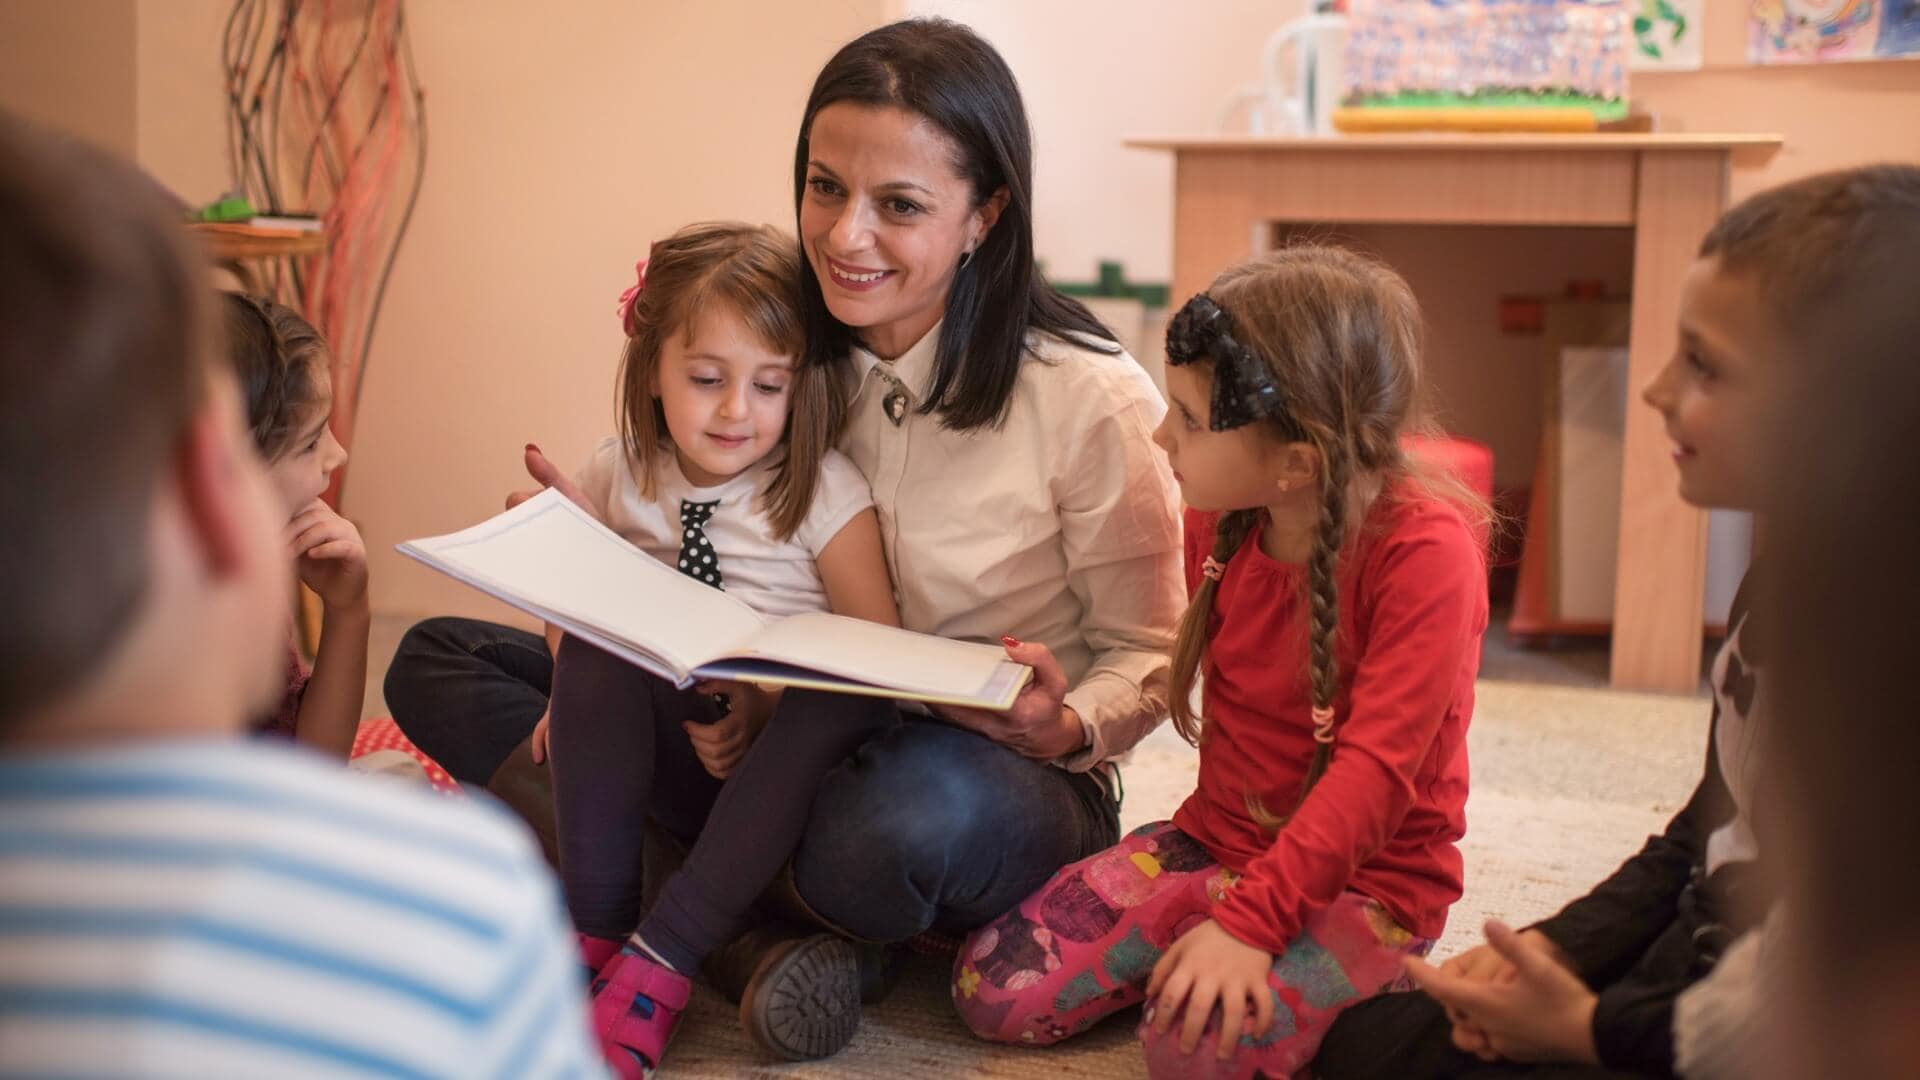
[(548, 475), (537, 742), (1209, 966), (721, 744), (1542, 1012), (329, 556), (1038, 725), (1484, 964)]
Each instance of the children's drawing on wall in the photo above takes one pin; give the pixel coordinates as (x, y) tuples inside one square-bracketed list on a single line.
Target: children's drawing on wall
[(1666, 35), (1816, 31), (1553, 63)]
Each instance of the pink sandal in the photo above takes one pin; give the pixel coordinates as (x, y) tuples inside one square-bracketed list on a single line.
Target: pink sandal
[(637, 1003), (595, 952)]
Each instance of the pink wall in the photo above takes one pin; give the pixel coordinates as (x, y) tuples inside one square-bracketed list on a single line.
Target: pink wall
[(70, 66), (565, 138)]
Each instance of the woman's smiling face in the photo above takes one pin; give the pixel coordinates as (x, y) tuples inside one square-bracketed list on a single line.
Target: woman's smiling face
[(885, 219)]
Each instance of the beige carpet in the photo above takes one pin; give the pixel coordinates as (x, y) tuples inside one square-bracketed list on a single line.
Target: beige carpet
[(1566, 783)]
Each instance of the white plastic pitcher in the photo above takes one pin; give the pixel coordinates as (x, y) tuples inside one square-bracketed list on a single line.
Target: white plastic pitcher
[(1302, 103)]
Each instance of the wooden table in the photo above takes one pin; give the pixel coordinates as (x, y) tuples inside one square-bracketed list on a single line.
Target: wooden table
[(1230, 190)]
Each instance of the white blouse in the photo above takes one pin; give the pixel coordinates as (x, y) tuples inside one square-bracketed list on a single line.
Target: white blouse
[(1060, 526)]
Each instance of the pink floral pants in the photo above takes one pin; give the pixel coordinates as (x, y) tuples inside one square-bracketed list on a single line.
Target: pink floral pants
[(1083, 946)]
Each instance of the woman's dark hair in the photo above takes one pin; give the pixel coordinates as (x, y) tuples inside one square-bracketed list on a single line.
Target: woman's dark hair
[(947, 74), (274, 352)]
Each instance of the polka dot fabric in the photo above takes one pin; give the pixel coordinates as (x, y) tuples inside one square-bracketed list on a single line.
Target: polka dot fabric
[(382, 733), (696, 551)]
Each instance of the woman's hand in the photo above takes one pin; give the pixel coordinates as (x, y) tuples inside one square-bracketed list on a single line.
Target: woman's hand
[(329, 556), (1542, 1012), (537, 742), (721, 744), (1038, 724), (1209, 967)]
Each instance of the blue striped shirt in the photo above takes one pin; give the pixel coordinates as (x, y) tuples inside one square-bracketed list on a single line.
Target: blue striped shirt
[(214, 908)]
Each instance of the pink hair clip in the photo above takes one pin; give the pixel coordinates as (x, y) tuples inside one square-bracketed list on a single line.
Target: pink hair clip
[(1213, 569), (632, 296), (1322, 724)]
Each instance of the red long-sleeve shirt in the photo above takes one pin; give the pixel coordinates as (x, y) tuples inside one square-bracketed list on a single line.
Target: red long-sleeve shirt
[(1384, 818)]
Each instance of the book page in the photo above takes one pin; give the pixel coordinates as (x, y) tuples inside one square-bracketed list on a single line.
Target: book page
[(918, 666), (554, 560)]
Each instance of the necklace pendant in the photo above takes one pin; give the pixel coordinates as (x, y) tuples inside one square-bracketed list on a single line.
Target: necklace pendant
[(895, 404)]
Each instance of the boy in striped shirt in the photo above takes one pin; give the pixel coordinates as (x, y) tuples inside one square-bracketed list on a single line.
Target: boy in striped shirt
[(176, 900)]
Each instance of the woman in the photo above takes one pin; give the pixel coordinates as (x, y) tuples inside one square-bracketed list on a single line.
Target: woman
[(1008, 442)]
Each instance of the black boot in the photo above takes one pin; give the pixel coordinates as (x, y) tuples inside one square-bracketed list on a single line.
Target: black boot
[(801, 992), (733, 966)]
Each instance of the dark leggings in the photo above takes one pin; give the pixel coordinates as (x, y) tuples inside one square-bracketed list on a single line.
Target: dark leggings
[(621, 754), (468, 692)]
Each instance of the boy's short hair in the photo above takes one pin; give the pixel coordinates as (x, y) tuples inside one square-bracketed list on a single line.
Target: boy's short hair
[(103, 347), (1811, 242)]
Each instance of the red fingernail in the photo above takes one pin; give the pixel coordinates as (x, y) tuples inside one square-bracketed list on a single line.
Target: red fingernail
[(533, 448), (1009, 642)]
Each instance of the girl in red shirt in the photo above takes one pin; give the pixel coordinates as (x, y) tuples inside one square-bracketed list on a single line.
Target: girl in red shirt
[(1339, 597)]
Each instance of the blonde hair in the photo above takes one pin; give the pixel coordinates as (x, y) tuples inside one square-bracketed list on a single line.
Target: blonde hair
[(755, 271), (1340, 337)]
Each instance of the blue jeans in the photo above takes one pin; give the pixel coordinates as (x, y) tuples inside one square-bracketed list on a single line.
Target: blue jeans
[(925, 826), (930, 827)]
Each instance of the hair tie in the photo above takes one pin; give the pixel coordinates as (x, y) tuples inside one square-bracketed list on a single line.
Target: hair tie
[(1213, 569), (1323, 723), (631, 298)]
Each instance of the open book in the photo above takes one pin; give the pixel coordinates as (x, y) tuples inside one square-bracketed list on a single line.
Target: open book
[(552, 559)]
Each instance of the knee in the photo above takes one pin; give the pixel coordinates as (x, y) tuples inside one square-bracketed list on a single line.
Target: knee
[(1398, 1034), (892, 806), (1018, 1012), (424, 649), (886, 828), (583, 668)]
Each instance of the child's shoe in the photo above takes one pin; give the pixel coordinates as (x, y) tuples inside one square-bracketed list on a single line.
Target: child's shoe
[(637, 1002), (594, 954)]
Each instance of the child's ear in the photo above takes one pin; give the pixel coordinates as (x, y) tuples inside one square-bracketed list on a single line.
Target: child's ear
[(1298, 467), (217, 486)]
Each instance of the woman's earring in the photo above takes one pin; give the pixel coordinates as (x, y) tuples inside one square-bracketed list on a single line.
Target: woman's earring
[(965, 258)]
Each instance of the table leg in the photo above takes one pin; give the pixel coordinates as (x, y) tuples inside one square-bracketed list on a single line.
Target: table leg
[(1660, 587), (1214, 219)]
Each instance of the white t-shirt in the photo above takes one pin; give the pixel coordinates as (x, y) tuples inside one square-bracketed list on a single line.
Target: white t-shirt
[(774, 577)]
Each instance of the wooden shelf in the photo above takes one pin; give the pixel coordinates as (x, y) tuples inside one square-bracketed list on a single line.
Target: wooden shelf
[(1231, 190), (236, 241), (1444, 140)]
